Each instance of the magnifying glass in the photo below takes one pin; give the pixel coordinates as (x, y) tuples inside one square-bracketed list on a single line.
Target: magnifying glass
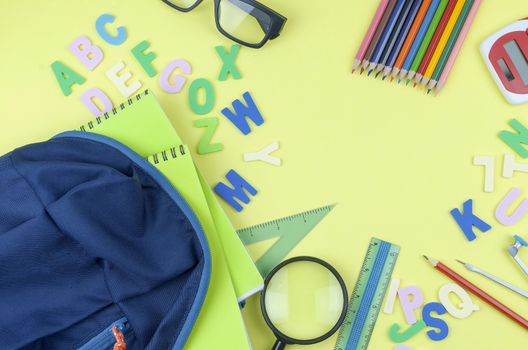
[(304, 301)]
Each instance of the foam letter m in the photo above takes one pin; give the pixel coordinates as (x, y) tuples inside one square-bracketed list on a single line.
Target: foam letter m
[(231, 194)]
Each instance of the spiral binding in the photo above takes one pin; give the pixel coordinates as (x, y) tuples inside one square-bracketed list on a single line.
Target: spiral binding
[(166, 155), (113, 112)]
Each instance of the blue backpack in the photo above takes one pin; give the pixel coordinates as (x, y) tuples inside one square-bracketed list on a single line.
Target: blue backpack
[(97, 250)]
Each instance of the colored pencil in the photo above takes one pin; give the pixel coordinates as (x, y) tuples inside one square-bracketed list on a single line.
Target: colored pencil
[(461, 5), (450, 44), (384, 39), (410, 37), (394, 36), (427, 39), (370, 33), (401, 37), (456, 50), (478, 292), (377, 34), (419, 39), (434, 42)]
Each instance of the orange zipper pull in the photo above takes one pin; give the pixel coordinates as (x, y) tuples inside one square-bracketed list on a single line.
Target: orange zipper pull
[(120, 339)]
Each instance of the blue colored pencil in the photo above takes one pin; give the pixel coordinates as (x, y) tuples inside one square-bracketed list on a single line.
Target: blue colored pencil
[(401, 37), (394, 37), (419, 38), (391, 23)]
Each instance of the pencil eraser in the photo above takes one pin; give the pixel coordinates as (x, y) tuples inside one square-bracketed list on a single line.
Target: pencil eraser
[(411, 298), (411, 331), (176, 84), (391, 295), (435, 322), (464, 309), (96, 101), (501, 213)]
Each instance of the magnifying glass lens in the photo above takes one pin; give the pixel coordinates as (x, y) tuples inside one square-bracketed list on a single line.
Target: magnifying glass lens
[(304, 300)]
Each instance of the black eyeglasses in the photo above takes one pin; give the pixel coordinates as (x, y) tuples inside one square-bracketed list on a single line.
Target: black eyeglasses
[(247, 22)]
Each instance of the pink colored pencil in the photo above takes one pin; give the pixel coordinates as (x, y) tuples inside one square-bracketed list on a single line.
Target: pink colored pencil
[(457, 47), (370, 33)]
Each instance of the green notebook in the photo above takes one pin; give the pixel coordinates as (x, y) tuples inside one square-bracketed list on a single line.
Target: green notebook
[(141, 124), (219, 325)]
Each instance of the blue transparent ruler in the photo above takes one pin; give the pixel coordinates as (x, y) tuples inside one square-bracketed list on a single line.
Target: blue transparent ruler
[(368, 294)]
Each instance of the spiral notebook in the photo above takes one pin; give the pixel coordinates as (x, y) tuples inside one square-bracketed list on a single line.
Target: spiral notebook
[(222, 321), (141, 124)]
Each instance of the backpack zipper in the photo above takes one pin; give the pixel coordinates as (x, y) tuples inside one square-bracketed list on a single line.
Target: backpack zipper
[(112, 335)]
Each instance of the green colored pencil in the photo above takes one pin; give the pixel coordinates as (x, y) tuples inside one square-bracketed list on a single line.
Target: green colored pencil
[(450, 44), (427, 39)]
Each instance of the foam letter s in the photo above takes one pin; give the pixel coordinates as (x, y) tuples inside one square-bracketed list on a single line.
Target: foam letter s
[(443, 329)]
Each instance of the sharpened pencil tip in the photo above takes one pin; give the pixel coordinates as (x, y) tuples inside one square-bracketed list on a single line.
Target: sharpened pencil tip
[(377, 74), (460, 261), (353, 70), (408, 81), (383, 77), (414, 85), (392, 79), (361, 71), (425, 257), (369, 72), (428, 91), (399, 81)]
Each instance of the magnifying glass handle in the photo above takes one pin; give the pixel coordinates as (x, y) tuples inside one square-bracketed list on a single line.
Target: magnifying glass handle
[(278, 345)]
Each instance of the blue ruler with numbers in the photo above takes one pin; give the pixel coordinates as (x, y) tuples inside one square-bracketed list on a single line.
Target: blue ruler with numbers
[(368, 294)]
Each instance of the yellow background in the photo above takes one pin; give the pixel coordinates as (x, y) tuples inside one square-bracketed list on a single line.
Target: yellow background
[(394, 159)]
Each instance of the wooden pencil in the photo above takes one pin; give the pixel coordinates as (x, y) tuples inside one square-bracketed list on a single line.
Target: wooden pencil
[(479, 293), (418, 20), (393, 38), (377, 34), (401, 37), (370, 33), (428, 74), (384, 39), (458, 45), (450, 44), (435, 40), (419, 39), (427, 39)]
